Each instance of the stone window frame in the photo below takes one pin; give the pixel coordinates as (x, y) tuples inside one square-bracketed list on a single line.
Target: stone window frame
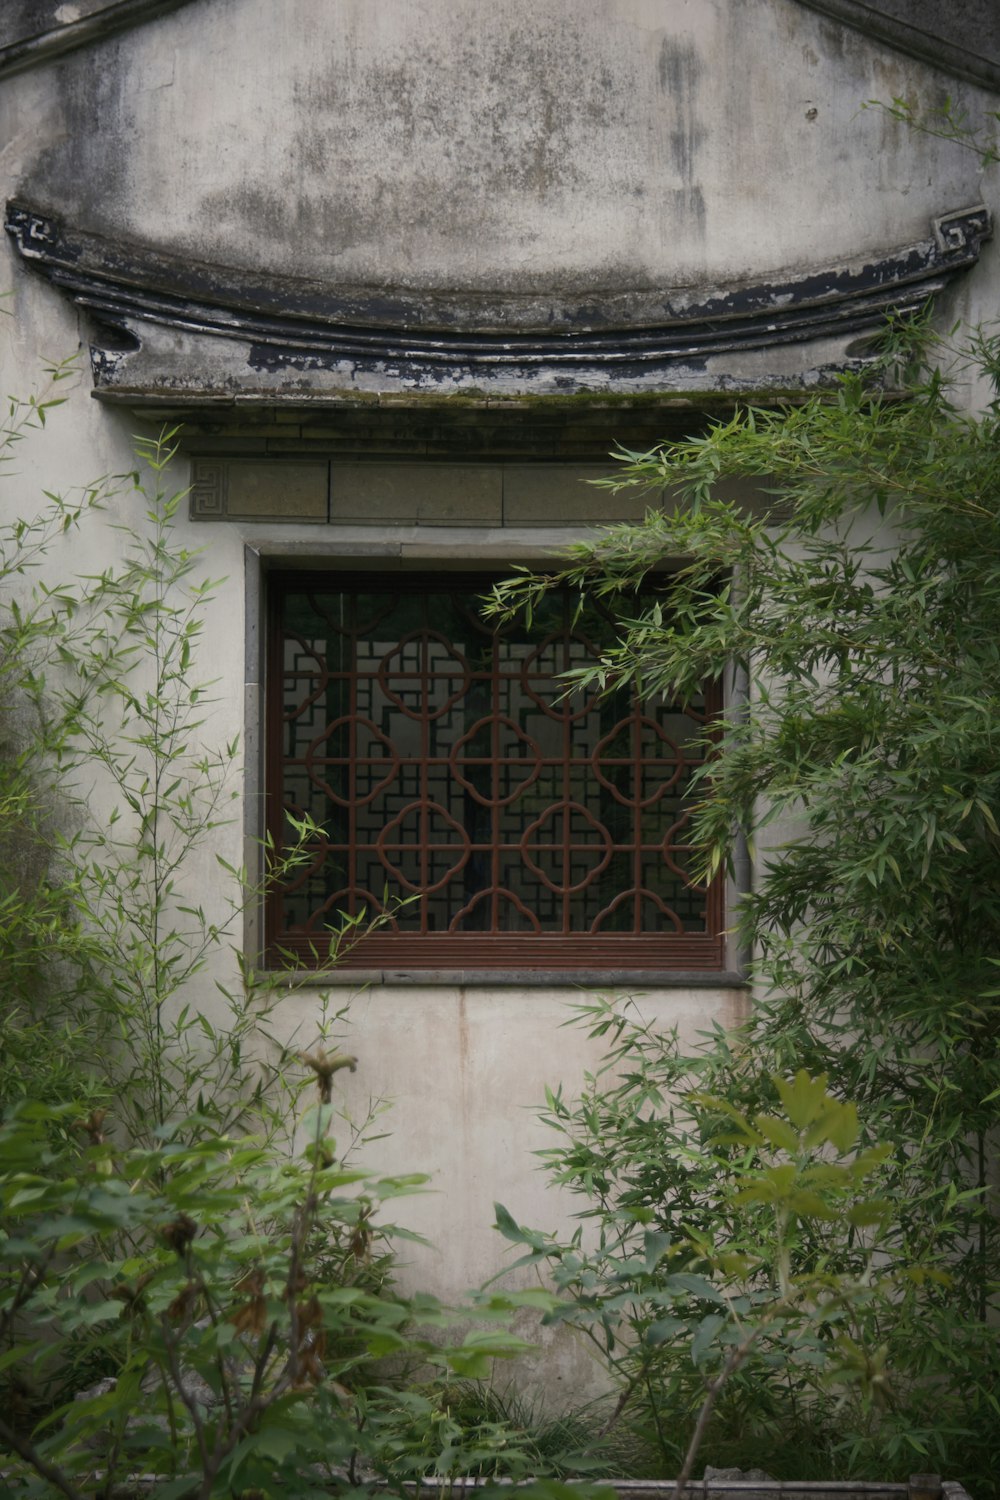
[(450, 549)]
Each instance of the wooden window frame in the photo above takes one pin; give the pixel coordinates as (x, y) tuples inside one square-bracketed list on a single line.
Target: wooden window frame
[(567, 951)]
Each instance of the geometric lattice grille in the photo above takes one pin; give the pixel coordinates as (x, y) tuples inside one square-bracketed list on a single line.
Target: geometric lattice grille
[(443, 763)]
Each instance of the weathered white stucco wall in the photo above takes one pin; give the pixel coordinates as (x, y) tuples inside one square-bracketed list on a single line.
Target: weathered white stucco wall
[(537, 147), (633, 144)]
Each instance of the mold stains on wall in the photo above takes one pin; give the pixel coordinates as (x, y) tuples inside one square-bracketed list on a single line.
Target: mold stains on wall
[(85, 169), (680, 70), (499, 147), (537, 150)]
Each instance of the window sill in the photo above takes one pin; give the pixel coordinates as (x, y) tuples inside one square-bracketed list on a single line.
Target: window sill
[(687, 979)]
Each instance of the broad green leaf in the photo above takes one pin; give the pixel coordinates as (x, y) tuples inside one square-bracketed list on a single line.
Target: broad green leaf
[(705, 1334)]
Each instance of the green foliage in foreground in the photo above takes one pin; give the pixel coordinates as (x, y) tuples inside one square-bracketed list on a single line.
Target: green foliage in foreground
[(228, 1286), (115, 797), (179, 1298), (41, 945), (760, 1258), (864, 772)]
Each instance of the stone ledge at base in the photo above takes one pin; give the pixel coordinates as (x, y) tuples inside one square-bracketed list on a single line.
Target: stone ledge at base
[(715, 1487)]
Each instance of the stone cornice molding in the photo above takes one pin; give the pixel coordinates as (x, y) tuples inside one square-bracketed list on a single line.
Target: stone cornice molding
[(965, 42), (275, 329), (33, 34)]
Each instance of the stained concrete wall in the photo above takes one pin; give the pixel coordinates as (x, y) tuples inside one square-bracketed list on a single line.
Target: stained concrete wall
[(534, 146)]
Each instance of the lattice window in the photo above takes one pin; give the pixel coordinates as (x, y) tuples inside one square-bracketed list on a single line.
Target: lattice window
[(444, 766)]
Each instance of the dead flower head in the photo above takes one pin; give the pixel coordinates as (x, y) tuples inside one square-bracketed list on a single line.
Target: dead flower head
[(92, 1125), (325, 1064), (184, 1303), (250, 1316), (179, 1233)]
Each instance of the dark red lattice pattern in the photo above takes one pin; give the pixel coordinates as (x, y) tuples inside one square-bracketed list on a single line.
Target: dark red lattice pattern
[(446, 767)]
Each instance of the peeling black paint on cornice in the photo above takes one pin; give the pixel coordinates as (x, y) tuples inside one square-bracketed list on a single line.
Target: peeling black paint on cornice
[(31, 35), (292, 326)]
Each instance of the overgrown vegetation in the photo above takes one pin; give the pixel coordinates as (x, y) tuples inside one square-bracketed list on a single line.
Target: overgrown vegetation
[(109, 796), (761, 1251), (179, 1296), (865, 611), (789, 1253), (38, 1048)]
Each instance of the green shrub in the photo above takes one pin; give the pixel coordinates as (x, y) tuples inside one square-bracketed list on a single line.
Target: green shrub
[(731, 1269), (863, 609), (182, 1297), (227, 1286)]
